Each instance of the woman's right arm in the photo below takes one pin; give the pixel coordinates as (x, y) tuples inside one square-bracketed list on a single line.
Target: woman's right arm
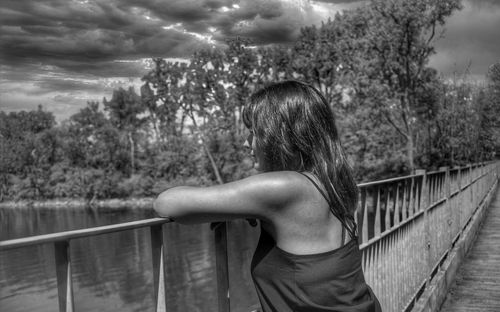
[(261, 196)]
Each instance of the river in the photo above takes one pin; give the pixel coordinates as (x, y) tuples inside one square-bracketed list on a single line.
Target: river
[(113, 272)]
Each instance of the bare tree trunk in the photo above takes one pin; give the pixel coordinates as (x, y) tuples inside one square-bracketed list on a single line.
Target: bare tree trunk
[(158, 136), (132, 151), (207, 151), (181, 126), (212, 162)]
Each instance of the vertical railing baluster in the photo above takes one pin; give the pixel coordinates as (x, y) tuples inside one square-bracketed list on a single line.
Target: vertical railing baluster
[(434, 188), (369, 265), (411, 208), (439, 186), (359, 215), (376, 267), (396, 205), (406, 268), (471, 192), (459, 199), (157, 253), (364, 231), (401, 264), (377, 213), (387, 209), (403, 203), (447, 194), (424, 204), (63, 273), (222, 267)]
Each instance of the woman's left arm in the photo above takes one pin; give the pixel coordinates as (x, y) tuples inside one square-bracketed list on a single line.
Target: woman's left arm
[(261, 196)]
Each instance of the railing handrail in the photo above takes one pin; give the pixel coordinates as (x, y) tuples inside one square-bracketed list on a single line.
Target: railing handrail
[(67, 235), (390, 180), (398, 179)]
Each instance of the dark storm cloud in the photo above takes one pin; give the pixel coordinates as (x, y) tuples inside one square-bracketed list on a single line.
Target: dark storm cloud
[(340, 1), (77, 34), (55, 51), (70, 33), (53, 30), (227, 17), (181, 10), (65, 50), (77, 31)]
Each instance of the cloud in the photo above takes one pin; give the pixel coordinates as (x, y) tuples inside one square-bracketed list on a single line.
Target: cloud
[(61, 91), (340, 1), (71, 51), (85, 31), (63, 97)]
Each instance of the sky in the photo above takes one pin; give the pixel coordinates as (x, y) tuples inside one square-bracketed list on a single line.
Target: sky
[(64, 53)]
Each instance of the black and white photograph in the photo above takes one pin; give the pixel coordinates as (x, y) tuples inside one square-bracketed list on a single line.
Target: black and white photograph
[(249, 155)]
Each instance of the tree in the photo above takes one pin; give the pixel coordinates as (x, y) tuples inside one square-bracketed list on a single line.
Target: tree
[(205, 100), (28, 147), (315, 59), (161, 95), (124, 110), (491, 108), (275, 64), (389, 43)]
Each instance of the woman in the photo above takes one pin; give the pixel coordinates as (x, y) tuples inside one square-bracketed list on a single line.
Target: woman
[(307, 258)]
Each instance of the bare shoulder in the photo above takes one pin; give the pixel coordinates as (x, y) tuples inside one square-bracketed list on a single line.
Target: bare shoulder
[(278, 186), (257, 196)]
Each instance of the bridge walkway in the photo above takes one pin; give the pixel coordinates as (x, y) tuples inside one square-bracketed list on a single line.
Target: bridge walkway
[(477, 283)]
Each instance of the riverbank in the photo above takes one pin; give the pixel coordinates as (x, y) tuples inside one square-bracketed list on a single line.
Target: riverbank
[(79, 203)]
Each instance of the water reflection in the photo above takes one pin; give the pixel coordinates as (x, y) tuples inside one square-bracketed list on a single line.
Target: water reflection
[(114, 271)]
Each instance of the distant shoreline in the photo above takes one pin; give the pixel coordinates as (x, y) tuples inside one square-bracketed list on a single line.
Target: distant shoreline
[(78, 203)]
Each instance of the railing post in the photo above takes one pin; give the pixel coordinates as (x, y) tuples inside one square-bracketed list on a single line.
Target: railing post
[(459, 199), (63, 273), (222, 267), (364, 209), (157, 251), (424, 204), (412, 200), (471, 191), (397, 219), (424, 190), (387, 219), (447, 190)]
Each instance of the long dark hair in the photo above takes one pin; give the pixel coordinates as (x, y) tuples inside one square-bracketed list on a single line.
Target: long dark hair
[(295, 129)]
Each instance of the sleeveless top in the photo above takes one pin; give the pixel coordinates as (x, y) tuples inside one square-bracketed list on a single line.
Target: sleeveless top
[(327, 281)]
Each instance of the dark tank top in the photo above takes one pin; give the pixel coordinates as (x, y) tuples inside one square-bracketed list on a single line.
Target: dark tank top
[(328, 281)]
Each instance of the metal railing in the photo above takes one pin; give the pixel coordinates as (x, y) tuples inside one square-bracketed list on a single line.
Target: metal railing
[(407, 227), (62, 244)]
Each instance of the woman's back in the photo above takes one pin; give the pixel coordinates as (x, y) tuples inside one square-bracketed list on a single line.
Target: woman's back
[(305, 225), (303, 263)]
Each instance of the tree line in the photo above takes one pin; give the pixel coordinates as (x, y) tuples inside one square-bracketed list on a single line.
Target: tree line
[(394, 112)]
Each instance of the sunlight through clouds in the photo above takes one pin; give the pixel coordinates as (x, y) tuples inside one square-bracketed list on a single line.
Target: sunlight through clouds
[(45, 41)]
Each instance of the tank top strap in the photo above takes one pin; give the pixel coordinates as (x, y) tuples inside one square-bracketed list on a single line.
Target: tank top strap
[(323, 193)]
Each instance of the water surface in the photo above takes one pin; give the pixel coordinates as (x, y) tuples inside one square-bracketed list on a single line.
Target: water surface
[(113, 272)]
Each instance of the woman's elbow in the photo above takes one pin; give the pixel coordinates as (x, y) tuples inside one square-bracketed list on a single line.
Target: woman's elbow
[(163, 205)]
